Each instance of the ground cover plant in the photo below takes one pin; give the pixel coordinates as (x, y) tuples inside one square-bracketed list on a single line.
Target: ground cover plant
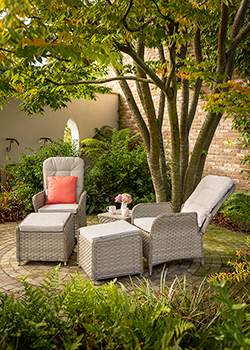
[(79, 315), (241, 266)]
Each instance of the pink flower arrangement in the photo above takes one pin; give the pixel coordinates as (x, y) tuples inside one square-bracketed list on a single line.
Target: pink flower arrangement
[(123, 198)]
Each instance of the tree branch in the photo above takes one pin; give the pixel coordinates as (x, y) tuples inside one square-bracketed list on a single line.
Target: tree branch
[(239, 18), (222, 39), (128, 50), (238, 37), (135, 110), (6, 50), (242, 34), (161, 107), (198, 82), (132, 30), (158, 9), (102, 81), (172, 67)]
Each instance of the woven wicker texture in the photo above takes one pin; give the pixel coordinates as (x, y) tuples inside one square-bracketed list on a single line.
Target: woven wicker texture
[(45, 246), (105, 218), (150, 210), (39, 200), (111, 257), (173, 236)]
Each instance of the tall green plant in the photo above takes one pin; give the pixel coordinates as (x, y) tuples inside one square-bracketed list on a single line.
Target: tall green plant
[(78, 315), (36, 321), (234, 331), (25, 176), (237, 207), (117, 168)]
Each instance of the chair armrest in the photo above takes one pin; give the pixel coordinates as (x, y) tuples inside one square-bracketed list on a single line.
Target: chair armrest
[(82, 209), (150, 210), (38, 200), (176, 223)]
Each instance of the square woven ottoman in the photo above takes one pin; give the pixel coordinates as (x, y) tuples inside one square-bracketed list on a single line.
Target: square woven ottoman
[(45, 237), (110, 250)]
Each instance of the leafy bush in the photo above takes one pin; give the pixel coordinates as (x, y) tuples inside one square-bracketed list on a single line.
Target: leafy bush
[(36, 321), (237, 207), (241, 267), (119, 166), (233, 332), (79, 315), (25, 177), (11, 209)]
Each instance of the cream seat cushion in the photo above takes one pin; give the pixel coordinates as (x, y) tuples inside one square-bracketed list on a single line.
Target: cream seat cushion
[(44, 222), (206, 196), (144, 223), (59, 208), (111, 229)]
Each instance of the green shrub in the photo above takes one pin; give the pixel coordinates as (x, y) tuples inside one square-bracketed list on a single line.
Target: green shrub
[(79, 315), (11, 209), (241, 267), (119, 166), (25, 176), (237, 207), (36, 321), (233, 332)]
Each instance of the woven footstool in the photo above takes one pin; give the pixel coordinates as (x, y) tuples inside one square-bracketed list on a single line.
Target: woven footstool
[(110, 250), (45, 237)]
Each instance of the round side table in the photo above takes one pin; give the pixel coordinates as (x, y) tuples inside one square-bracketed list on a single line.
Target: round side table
[(104, 218)]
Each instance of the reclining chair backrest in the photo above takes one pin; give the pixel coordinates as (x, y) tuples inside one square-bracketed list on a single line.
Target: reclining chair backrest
[(211, 191), (65, 166)]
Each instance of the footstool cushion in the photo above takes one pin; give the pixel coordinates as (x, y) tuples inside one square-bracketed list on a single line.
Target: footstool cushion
[(45, 237), (110, 250)]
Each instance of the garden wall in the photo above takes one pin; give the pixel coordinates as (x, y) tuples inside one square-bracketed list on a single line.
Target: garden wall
[(221, 159), (84, 117)]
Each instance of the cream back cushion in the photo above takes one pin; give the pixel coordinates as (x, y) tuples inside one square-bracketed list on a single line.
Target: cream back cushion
[(206, 196), (65, 166)]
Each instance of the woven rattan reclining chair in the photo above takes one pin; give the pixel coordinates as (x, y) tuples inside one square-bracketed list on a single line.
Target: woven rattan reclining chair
[(57, 171), (172, 236)]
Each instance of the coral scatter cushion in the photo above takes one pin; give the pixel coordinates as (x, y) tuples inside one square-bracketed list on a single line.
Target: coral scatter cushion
[(61, 189)]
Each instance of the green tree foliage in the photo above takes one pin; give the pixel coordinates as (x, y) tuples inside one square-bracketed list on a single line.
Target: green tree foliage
[(75, 41), (119, 166), (210, 42), (234, 101)]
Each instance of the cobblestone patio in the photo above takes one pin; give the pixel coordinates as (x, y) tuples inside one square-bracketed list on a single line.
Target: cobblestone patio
[(219, 246)]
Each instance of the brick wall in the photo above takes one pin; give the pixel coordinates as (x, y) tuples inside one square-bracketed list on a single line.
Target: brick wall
[(221, 159)]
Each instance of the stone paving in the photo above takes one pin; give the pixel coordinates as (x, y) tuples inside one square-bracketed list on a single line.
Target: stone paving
[(219, 246)]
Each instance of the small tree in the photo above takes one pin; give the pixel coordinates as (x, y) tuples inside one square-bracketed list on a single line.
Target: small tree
[(80, 39)]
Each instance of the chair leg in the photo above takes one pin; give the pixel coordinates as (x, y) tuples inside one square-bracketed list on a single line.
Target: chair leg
[(150, 270), (202, 261)]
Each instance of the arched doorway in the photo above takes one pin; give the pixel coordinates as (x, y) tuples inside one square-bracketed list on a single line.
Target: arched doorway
[(71, 132)]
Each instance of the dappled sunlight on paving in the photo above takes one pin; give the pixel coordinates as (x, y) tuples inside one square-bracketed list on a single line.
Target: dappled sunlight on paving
[(219, 246)]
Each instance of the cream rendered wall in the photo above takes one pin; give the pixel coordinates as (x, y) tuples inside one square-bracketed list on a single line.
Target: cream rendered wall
[(28, 130)]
